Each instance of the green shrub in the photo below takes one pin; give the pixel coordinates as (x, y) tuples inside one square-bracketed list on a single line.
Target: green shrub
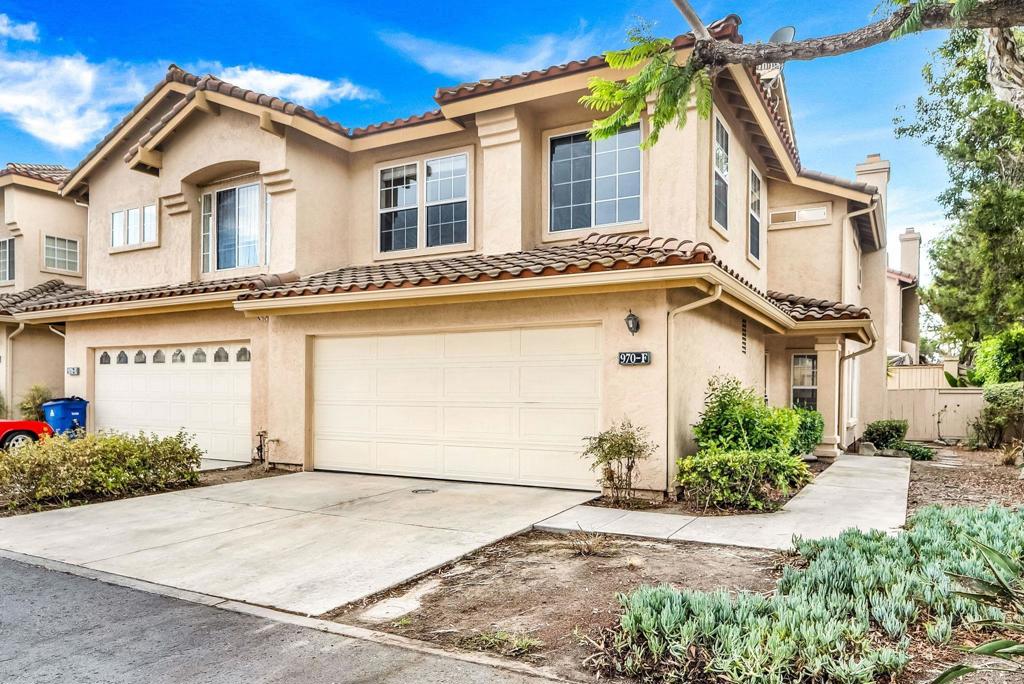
[(736, 418), (844, 615), (1001, 416), (31, 405), (1000, 358), (615, 453), (886, 434), (63, 470), (748, 480), (808, 435), (916, 451)]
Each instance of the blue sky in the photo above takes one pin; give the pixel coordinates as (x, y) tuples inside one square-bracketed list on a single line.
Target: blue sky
[(69, 70)]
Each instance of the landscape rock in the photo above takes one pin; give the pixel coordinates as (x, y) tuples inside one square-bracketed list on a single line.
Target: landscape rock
[(867, 449)]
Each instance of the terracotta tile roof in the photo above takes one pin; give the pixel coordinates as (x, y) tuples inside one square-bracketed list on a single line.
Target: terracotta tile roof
[(415, 120), (19, 301), (902, 276), (781, 126), (81, 297), (810, 309), (842, 182), (726, 28), (51, 173)]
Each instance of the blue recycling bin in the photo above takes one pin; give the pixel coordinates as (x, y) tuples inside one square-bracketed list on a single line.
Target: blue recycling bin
[(66, 415)]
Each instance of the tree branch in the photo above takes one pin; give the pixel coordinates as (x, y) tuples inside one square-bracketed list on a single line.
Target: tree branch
[(987, 14)]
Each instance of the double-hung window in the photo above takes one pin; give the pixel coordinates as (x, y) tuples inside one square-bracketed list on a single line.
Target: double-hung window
[(7, 260), (230, 228), (134, 226), (805, 381), (721, 176), (754, 225), (437, 217), (60, 254), (594, 183)]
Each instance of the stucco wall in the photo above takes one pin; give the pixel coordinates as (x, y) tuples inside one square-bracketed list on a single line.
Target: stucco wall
[(806, 260), (37, 357), (893, 315), (36, 214)]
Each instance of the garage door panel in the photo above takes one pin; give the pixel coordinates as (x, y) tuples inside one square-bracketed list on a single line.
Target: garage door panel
[(409, 383), (557, 424), (340, 417), (474, 421), (561, 342), (409, 347), (543, 466), (345, 384), (558, 383), (341, 454), (484, 344), (408, 420), (480, 462), (409, 457), (344, 351), (481, 382)]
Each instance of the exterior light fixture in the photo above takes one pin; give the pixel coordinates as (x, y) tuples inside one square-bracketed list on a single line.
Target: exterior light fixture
[(632, 323)]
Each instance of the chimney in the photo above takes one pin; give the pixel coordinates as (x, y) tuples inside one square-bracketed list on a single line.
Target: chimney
[(910, 252), (875, 171)]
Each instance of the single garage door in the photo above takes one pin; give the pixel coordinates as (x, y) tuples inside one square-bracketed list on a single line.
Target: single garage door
[(507, 406), (202, 389)]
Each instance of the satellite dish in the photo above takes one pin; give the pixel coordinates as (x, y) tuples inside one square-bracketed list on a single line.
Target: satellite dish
[(772, 71)]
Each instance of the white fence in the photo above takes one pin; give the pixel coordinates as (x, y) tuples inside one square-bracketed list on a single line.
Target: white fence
[(935, 412)]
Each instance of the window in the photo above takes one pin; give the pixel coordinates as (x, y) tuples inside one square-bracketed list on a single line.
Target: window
[(133, 226), (594, 183), (754, 244), (852, 389), (242, 356), (178, 356), (446, 201), (266, 228), (237, 227), (7, 259), (199, 356), (122, 358), (721, 175), (805, 215), (60, 254), (140, 356), (104, 359), (158, 356), (805, 381), (399, 212), (206, 239), (221, 355)]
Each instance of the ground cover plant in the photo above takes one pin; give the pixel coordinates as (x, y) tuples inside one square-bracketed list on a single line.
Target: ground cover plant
[(846, 611), (66, 469)]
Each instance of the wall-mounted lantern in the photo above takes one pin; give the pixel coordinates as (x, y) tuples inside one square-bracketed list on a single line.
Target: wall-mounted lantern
[(632, 323)]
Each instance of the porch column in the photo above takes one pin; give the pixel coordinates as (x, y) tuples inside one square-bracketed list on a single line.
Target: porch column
[(500, 189), (829, 350)]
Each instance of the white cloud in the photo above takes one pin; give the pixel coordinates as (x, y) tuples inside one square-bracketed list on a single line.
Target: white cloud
[(310, 91), (11, 29), (470, 64)]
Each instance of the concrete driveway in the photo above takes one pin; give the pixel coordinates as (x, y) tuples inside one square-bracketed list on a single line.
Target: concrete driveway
[(305, 542)]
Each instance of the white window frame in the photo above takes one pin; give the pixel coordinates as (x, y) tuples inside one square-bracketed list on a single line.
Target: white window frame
[(53, 268), (792, 377), (420, 161), (8, 262), (755, 173), (799, 222), (853, 391), (427, 203), (717, 121), (575, 233), (208, 259), (150, 209)]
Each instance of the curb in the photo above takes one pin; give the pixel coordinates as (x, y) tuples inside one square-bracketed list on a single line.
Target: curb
[(339, 629)]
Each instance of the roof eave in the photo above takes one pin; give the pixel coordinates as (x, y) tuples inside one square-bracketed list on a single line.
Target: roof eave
[(139, 307), (28, 182), (860, 329)]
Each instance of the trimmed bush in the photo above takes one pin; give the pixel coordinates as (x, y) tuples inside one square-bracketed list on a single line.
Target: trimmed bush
[(846, 614), (808, 434), (736, 418), (1001, 417), (916, 451), (886, 434), (747, 480), (31, 405), (63, 470)]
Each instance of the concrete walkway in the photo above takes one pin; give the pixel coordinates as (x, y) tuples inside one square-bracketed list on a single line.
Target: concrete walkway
[(856, 491)]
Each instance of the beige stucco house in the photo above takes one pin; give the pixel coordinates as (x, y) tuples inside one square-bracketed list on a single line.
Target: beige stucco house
[(447, 295), (42, 240)]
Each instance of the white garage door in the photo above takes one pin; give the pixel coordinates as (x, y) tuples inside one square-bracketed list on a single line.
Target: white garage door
[(201, 389), (509, 406)]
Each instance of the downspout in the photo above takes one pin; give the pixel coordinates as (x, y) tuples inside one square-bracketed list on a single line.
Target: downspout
[(9, 379), (670, 432), (58, 333)]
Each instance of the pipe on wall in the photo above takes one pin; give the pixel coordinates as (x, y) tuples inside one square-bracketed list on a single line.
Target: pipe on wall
[(9, 375)]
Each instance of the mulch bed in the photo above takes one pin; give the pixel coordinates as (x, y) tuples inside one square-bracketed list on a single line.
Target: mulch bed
[(958, 477)]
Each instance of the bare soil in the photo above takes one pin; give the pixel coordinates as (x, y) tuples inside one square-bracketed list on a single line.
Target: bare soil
[(959, 477), (536, 585)]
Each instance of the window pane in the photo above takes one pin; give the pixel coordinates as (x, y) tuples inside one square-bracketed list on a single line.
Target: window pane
[(805, 398), (5, 271), (755, 237), (117, 229), (398, 230), (570, 170), (248, 199), (206, 238), (149, 223), (721, 202), (805, 370), (618, 178), (227, 228), (446, 224), (134, 226)]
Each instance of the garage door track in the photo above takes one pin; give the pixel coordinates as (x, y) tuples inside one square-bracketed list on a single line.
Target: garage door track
[(306, 542)]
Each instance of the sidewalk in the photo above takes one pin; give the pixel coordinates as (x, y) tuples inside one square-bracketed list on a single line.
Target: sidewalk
[(866, 492)]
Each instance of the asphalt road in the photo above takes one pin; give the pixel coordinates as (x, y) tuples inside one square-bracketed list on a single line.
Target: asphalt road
[(63, 628)]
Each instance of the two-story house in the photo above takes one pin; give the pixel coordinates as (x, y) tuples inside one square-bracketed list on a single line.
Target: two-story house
[(42, 242), (463, 294)]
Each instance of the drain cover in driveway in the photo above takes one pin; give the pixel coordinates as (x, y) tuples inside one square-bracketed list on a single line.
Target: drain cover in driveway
[(424, 491)]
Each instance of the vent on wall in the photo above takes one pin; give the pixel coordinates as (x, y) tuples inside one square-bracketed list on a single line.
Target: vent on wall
[(743, 334)]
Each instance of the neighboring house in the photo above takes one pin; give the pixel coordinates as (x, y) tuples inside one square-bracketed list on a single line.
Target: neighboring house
[(462, 294), (41, 244), (903, 303)]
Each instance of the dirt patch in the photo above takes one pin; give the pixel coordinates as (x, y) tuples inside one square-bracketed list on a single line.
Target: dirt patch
[(958, 477), (535, 586)]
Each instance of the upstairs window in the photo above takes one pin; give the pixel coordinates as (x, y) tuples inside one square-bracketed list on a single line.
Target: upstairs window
[(594, 183), (446, 201), (7, 260), (230, 228), (399, 208), (133, 226), (754, 225), (800, 216), (721, 176), (60, 254)]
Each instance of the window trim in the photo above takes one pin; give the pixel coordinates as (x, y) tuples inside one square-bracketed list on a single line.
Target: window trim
[(548, 235), (792, 386), (420, 160), (54, 269), (762, 198), (262, 233), (124, 209), (723, 231), (12, 256)]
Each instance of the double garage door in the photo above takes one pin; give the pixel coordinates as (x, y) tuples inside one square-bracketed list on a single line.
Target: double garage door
[(507, 406), (202, 389)]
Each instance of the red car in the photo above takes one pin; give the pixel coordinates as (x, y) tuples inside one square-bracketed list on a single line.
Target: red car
[(16, 433)]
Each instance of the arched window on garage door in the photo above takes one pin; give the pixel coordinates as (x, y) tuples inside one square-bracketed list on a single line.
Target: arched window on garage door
[(104, 359), (221, 355), (199, 356), (122, 358), (243, 355)]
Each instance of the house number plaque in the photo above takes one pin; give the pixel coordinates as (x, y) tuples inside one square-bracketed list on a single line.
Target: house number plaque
[(634, 358)]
